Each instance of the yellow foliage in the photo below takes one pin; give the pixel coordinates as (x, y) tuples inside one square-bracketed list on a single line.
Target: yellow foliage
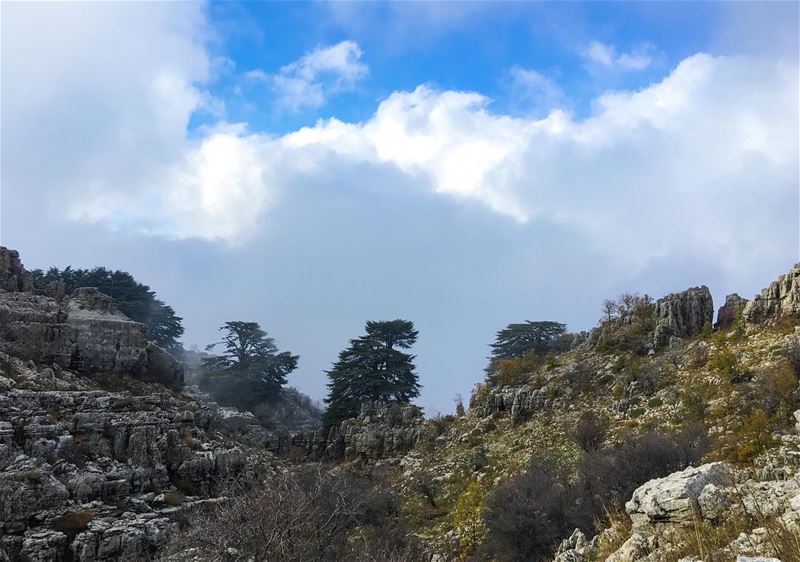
[(467, 517)]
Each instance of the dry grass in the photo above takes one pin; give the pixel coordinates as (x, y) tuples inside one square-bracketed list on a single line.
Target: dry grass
[(614, 535), (174, 498), (73, 522)]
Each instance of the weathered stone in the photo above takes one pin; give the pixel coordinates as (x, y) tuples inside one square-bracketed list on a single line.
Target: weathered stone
[(730, 311), (674, 498), (682, 314), (86, 334), (781, 298), (13, 276)]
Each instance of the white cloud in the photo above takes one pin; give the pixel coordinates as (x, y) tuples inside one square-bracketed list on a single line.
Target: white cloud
[(704, 161), (308, 81), (534, 92), (606, 57), (666, 169)]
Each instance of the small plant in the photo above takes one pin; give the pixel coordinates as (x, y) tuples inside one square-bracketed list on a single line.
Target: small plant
[(727, 364), (191, 442), (792, 353), (655, 402), (73, 522), (174, 498), (637, 412), (32, 475)]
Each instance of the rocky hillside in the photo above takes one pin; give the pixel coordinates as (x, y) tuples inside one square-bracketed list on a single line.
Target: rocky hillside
[(659, 435), (102, 450), (665, 372)]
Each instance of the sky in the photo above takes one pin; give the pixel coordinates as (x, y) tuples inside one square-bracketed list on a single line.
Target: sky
[(312, 166)]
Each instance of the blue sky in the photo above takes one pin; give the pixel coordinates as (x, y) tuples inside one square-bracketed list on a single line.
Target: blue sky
[(311, 166)]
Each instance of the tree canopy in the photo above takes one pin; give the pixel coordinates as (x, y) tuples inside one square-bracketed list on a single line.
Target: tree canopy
[(372, 368), (136, 300), (250, 370), (516, 340)]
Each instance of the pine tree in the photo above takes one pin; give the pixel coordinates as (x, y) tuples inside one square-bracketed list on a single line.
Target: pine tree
[(250, 370), (372, 368)]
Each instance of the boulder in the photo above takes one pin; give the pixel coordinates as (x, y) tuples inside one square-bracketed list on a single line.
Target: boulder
[(781, 298), (675, 498), (681, 315), (730, 311)]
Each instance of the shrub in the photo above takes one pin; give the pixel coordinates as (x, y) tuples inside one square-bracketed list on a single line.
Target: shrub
[(591, 431), (752, 437), (32, 475), (655, 402), (527, 516), (73, 522), (174, 498), (792, 353), (695, 402), (637, 412), (468, 520), (727, 364), (776, 392), (191, 442), (310, 515), (507, 372)]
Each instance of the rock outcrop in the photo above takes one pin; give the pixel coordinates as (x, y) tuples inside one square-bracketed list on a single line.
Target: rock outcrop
[(681, 315), (677, 497), (13, 276), (379, 431), (781, 298), (730, 311), (87, 475), (84, 333), (518, 401)]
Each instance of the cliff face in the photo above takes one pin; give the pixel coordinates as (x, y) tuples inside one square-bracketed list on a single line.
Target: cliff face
[(89, 475), (683, 314), (84, 333), (781, 298)]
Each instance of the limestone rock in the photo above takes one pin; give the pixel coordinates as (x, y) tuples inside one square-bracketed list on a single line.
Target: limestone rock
[(86, 334), (781, 298), (682, 314), (730, 311), (674, 498), (13, 276), (631, 550)]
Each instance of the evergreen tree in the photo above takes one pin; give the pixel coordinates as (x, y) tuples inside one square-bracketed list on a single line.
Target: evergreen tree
[(135, 300), (516, 340), (373, 367), (250, 369)]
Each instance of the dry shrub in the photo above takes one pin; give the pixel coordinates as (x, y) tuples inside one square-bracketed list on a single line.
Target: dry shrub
[(73, 522), (310, 515), (613, 530), (591, 431), (174, 498), (191, 442), (32, 475)]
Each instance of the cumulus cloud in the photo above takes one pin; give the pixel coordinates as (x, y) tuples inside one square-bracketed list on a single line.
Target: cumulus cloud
[(605, 57), (307, 82), (649, 172)]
